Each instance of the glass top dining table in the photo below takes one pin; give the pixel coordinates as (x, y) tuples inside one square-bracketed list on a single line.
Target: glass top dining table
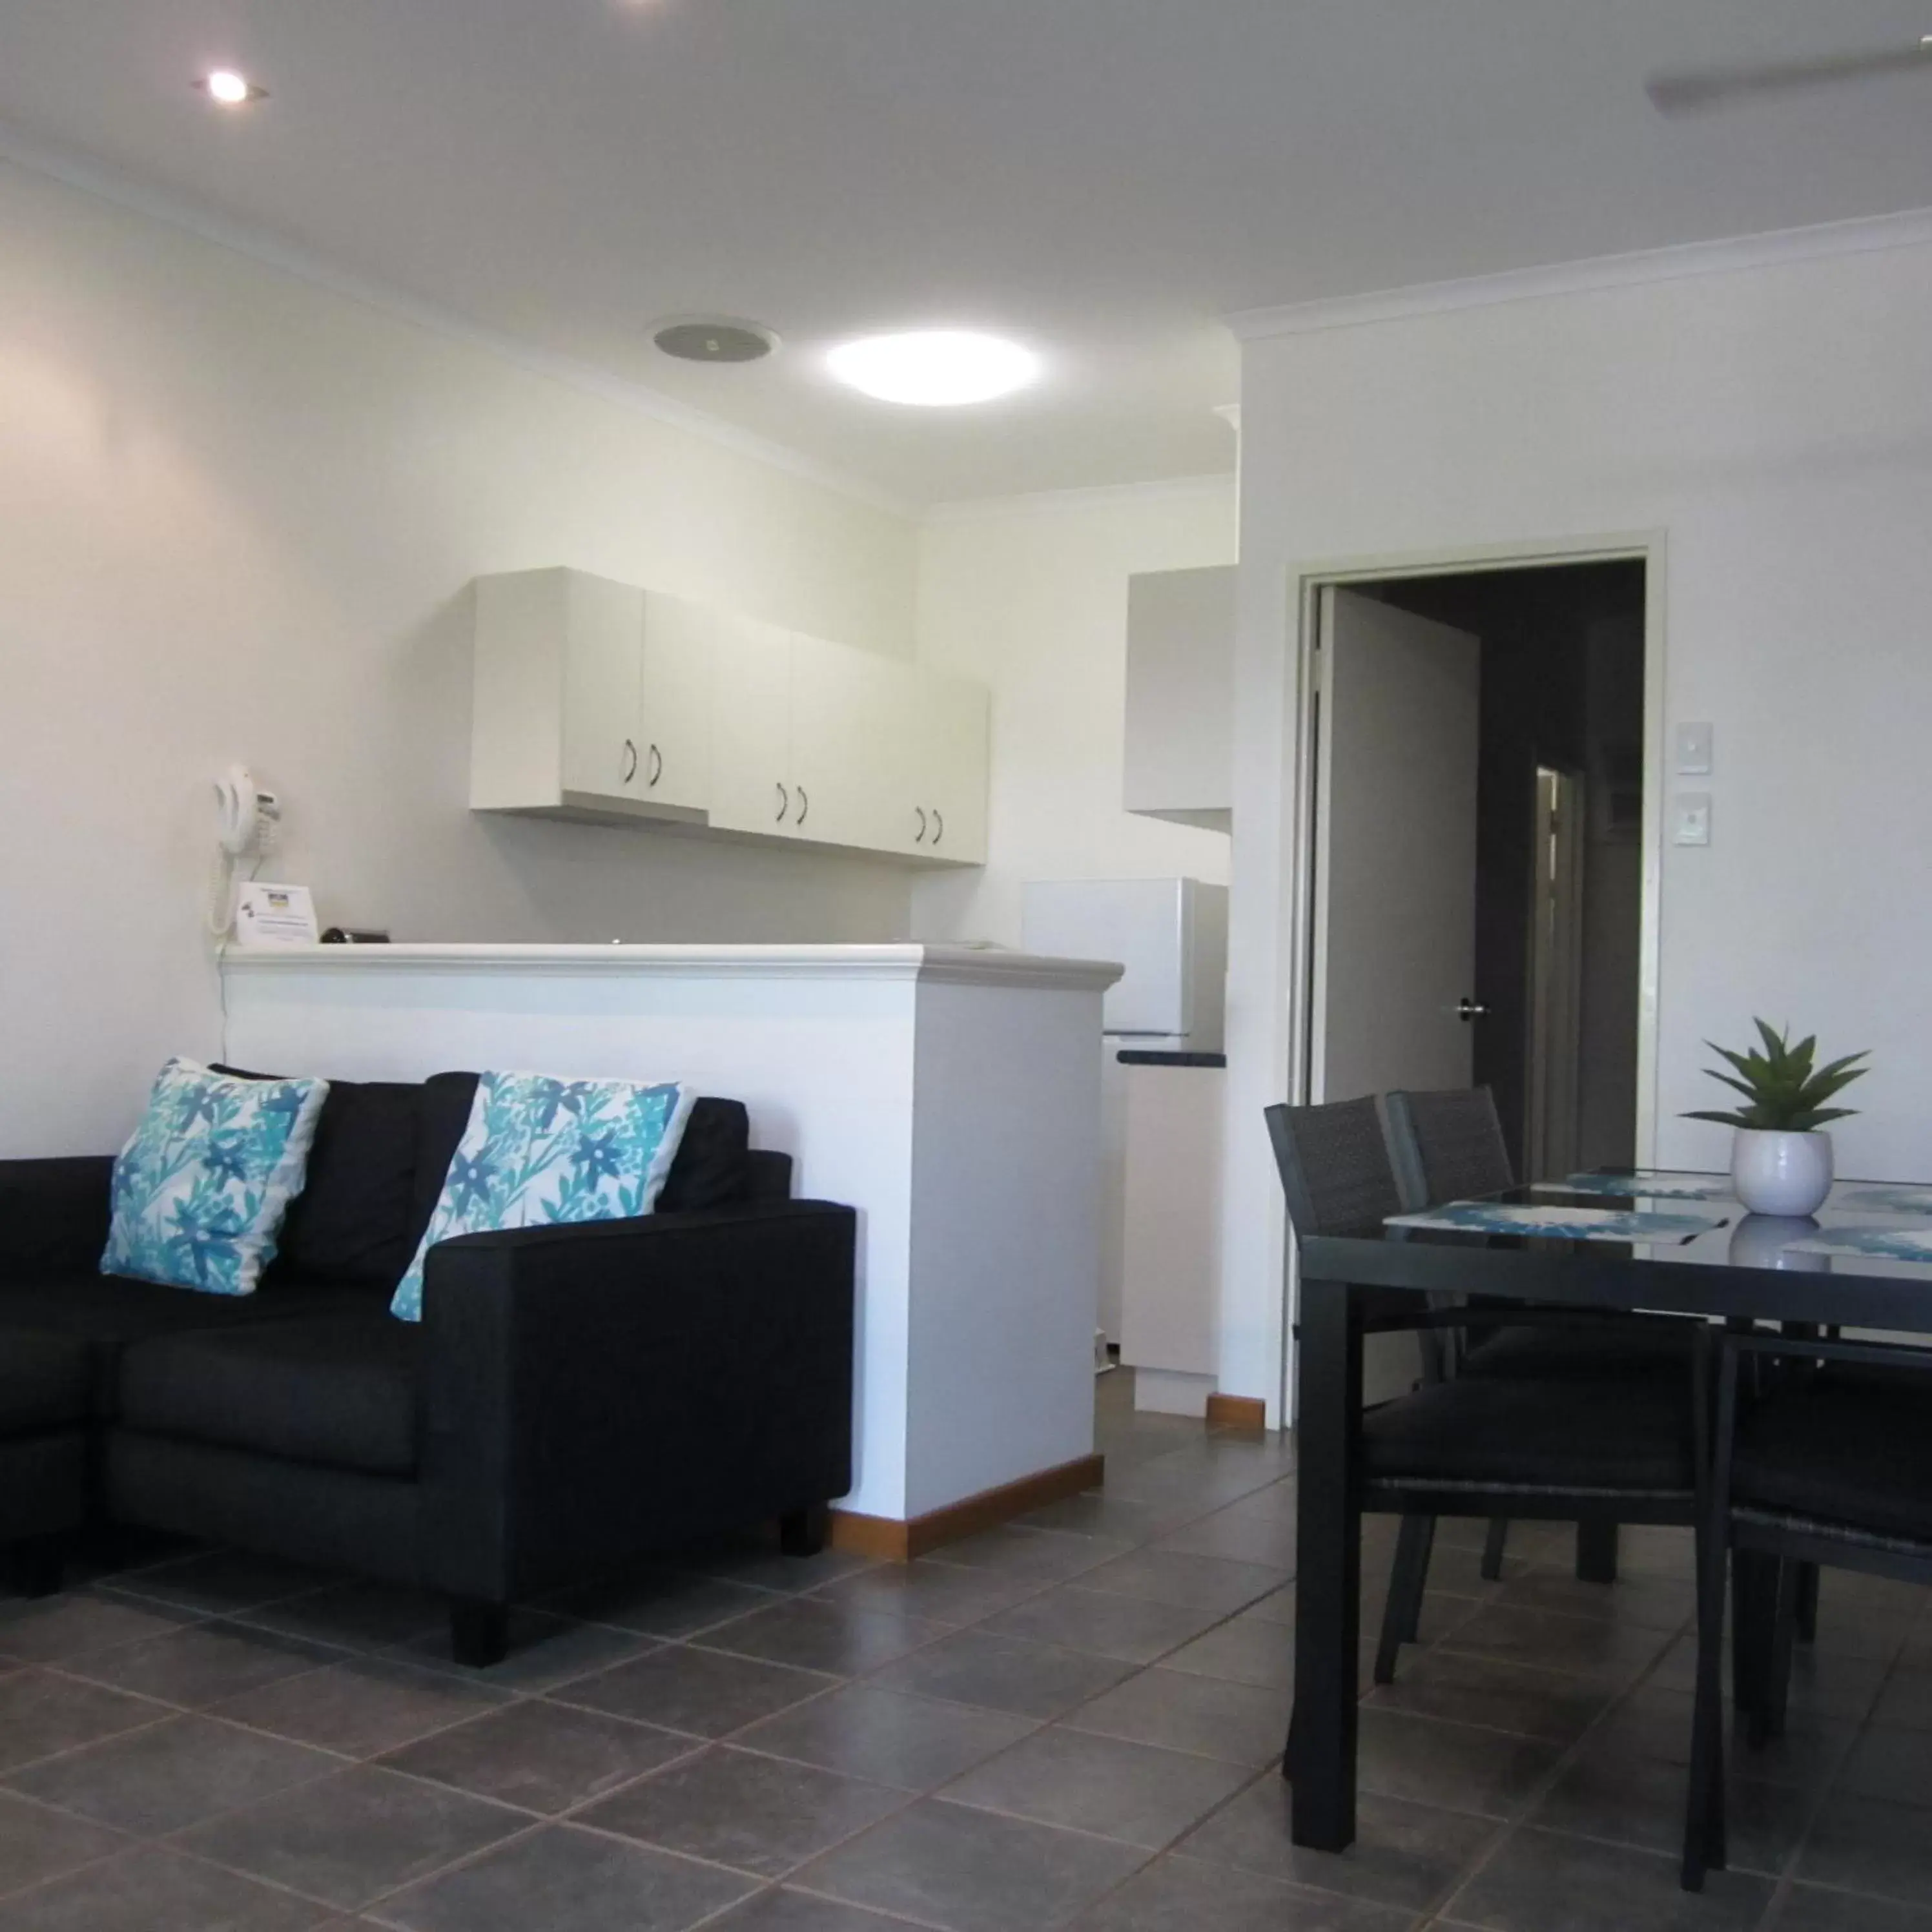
[(1853, 1265)]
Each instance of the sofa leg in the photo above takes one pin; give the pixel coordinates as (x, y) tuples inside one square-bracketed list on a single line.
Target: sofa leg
[(479, 1632), (802, 1532), (37, 1564)]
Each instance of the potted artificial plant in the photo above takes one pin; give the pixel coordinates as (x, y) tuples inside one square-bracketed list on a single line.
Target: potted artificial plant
[(1781, 1161)]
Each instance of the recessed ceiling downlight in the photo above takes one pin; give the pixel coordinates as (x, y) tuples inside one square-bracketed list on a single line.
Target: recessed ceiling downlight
[(227, 88), (934, 368), (714, 338)]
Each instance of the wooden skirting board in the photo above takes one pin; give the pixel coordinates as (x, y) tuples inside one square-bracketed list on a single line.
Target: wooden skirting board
[(897, 1542), (1237, 1412)]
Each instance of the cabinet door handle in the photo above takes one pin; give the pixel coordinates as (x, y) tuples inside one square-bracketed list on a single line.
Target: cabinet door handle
[(657, 767), (804, 804), (920, 839), (784, 803), (630, 761), (939, 825)]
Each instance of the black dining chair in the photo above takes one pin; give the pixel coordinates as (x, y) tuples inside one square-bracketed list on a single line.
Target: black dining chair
[(1448, 1145), (1586, 1450), (1822, 1457)]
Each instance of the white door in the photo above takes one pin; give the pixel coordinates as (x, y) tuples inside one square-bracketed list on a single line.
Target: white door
[(1395, 907), (751, 789)]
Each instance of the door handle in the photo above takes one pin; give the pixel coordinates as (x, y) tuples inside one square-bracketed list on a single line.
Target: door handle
[(657, 767), (939, 825), (784, 803), (631, 761), (920, 839), (1467, 1009), (804, 804)]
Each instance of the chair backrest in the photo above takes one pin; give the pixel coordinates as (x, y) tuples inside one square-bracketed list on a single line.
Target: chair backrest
[(1447, 1146), (1335, 1166)]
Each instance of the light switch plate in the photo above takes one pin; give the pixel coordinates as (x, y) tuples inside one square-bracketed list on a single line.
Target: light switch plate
[(1693, 750), (1690, 818)]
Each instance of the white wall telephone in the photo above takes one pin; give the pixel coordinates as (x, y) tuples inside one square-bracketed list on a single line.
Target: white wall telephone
[(248, 822)]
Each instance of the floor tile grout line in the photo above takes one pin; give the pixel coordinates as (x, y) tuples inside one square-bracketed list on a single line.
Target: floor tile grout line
[(1827, 1789), (157, 1837), (1526, 1808)]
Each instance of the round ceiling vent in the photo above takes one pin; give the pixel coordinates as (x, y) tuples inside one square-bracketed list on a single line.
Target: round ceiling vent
[(714, 338)]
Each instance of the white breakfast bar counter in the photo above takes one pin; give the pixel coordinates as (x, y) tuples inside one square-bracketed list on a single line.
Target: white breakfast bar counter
[(951, 1095)]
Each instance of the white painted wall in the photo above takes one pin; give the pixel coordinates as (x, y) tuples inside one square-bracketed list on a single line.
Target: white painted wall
[(1029, 595), (239, 512), (1775, 420)]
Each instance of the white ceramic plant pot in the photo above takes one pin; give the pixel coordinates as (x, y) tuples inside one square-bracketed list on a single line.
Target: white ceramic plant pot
[(1782, 1174)]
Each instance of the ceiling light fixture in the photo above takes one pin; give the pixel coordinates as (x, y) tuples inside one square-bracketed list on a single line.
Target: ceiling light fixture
[(227, 88), (934, 368)]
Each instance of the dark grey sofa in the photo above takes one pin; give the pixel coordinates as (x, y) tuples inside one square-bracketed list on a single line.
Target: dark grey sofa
[(573, 1397)]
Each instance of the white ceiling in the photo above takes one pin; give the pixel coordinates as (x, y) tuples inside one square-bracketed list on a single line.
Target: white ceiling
[(1104, 178)]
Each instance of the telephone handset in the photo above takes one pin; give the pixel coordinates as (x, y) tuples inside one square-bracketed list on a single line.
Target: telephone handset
[(248, 822)]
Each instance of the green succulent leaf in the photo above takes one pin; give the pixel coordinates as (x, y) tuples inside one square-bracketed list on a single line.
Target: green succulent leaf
[(1785, 1086)]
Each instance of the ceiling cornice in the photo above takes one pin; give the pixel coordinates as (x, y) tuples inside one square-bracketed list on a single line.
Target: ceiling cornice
[(980, 509), (1910, 229), (91, 177)]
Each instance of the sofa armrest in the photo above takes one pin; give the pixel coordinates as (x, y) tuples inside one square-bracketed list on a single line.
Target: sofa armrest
[(594, 1392), (54, 1216)]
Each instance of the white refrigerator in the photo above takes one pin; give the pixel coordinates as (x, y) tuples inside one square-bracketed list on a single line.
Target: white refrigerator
[(1171, 936), (1163, 1089)]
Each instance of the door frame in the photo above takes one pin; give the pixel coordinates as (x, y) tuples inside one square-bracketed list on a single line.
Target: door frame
[(1646, 547)]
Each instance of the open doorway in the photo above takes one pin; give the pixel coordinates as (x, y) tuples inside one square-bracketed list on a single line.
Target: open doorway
[(1476, 862)]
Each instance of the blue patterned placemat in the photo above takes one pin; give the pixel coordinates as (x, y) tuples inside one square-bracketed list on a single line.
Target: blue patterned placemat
[(1648, 1185), (1887, 1200), (1575, 1224), (1890, 1244)]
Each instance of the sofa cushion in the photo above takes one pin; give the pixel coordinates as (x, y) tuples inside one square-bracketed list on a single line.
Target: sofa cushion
[(543, 1150), (200, 1189), (447, 1099), (354, 1220), (108, 1311), (45, 1382), (338, 1390), (712, 1167)]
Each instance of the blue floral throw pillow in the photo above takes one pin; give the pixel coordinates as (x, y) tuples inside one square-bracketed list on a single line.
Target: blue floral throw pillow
[(539, 1150), (200, 1189)]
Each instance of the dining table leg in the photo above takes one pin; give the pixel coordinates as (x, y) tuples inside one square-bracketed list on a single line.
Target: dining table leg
[(1320, 1760)]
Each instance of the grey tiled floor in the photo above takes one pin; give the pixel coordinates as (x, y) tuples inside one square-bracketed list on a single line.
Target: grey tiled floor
[(1075, 1721)]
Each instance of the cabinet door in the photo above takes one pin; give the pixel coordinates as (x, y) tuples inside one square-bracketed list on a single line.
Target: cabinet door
[(603, 625), (1178, 751), (843, 742), (949, 739), (751, 789), (674, 710)]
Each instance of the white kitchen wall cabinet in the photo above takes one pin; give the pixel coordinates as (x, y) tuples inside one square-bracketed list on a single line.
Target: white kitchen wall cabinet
[(595, 699), (591, 699), (752, 783), (843, 734), (674, 703), (1178, 763), (948, 736)]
